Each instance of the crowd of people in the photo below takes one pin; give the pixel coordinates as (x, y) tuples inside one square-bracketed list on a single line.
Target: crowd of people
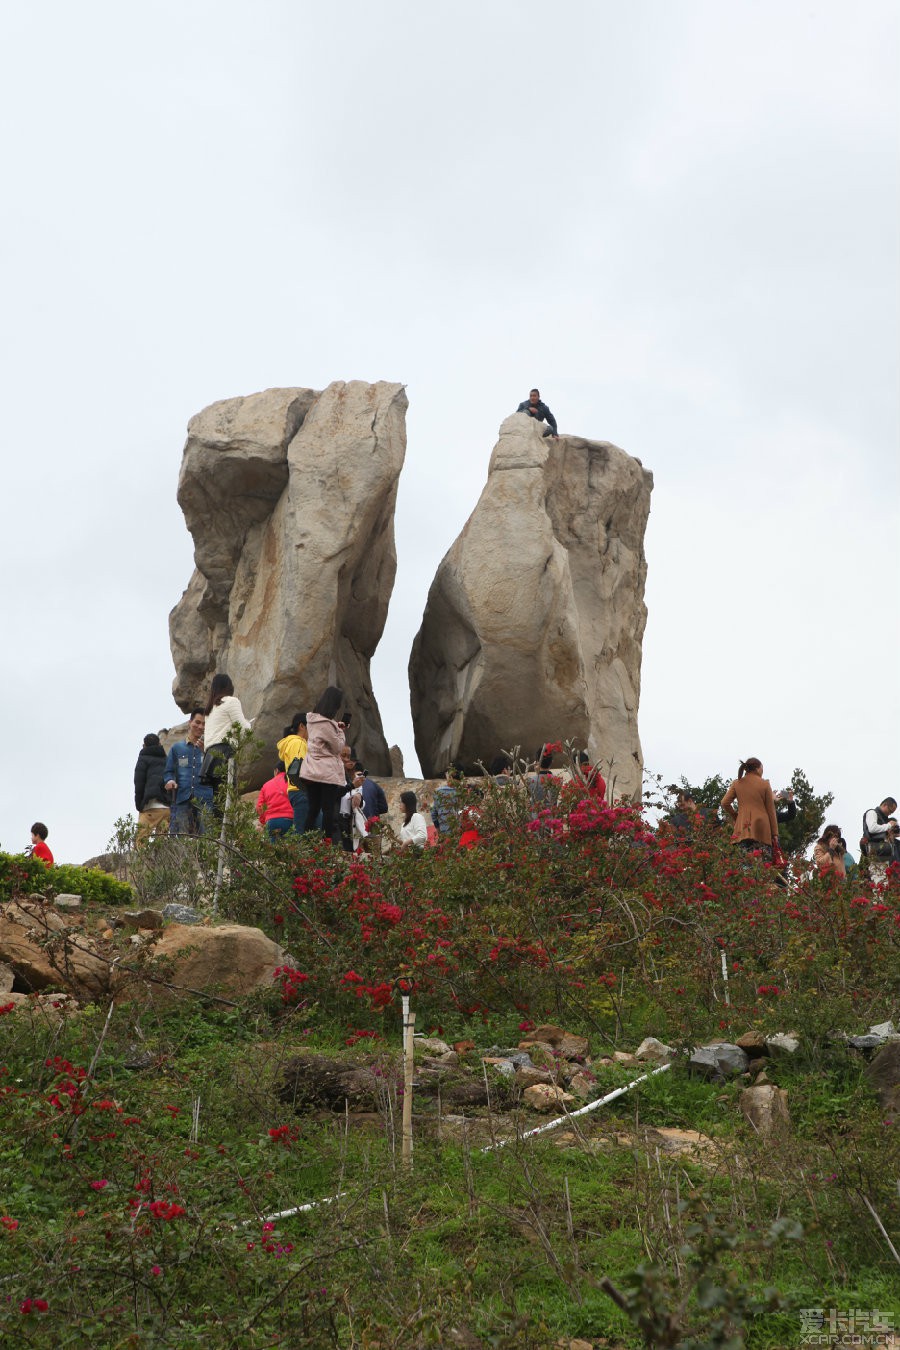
[(318, 784), (755, 812)]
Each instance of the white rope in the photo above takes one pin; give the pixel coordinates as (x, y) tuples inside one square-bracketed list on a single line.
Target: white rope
[(582, 1111)]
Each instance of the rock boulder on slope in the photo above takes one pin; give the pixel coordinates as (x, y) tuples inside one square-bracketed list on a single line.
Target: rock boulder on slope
[(533, 627), (289, 496)]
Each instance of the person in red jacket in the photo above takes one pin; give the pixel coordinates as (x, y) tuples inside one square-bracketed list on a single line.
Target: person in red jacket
[(39, 847), (273, 805)]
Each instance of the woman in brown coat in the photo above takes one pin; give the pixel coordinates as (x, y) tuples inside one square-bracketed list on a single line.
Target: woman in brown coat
[(750, 804)]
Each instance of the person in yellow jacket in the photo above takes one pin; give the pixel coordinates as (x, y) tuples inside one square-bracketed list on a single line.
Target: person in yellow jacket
[(292, 752)]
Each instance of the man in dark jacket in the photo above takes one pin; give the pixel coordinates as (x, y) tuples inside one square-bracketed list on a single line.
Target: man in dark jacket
[(374, 802), (533, 406), (149, 793)]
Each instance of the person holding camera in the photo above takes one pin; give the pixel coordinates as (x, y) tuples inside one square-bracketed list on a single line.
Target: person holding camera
[(880, 840), (828, 854), (323, 774)]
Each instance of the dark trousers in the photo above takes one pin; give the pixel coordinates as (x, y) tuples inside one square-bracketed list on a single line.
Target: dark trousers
[(324, 797)]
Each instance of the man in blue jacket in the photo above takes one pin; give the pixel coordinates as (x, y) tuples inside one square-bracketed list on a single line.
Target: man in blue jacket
[(374, 802), (183, 763), (533, 406)]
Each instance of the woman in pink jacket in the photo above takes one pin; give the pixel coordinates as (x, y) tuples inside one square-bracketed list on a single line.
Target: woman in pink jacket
[(323, 775)]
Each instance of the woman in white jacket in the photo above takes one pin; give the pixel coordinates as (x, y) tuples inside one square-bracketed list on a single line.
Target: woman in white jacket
[(414, 832), (223, 711)]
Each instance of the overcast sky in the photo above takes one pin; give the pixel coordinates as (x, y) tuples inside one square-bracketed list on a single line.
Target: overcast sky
[(679, 218)]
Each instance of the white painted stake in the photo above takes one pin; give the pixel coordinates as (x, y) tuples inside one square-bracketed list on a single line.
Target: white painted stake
[(725, 977), (409, 1023), (582, 1110)]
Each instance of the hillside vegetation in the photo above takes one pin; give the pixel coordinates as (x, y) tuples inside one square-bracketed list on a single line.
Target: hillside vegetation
[(205, 1169)]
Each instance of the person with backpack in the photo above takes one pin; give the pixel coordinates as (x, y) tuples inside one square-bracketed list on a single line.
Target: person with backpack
[(150, 797), (292, 752), (879, 842)]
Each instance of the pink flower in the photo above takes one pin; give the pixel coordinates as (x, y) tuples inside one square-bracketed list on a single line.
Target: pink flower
[(99, 1185), (156, 1270)]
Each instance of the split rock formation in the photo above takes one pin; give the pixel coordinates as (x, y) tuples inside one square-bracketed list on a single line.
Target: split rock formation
[(533, 626), (289, 496)]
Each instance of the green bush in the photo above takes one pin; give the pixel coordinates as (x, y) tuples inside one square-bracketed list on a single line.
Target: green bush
[(20, 875)]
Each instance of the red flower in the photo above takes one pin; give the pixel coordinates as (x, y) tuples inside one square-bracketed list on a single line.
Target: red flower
[(34, 1305), (10, 1224)]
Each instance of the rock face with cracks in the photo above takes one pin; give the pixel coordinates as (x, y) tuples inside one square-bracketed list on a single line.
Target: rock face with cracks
[(289, 496), (533, 627)]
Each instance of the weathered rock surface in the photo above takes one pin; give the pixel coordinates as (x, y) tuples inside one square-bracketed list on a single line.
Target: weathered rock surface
[(230, 959), (883, 1072), (533, 627), (43, 956), (289, 497), (546, 1097), (654, 1051), (766, 1108)]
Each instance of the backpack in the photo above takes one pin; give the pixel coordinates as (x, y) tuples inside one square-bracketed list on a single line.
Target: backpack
[(293, 772)]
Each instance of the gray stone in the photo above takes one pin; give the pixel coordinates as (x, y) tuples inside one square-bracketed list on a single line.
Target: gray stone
[(868, 1042), (654, 1051), (289, 496), (504, 1067), (7, 977), (885, 1029), (719, 1060), (788, 1041), (65, 901), (534, 621), (181, 913)]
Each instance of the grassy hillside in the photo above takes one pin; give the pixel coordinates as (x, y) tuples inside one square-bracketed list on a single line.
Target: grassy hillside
[(183, 1171)]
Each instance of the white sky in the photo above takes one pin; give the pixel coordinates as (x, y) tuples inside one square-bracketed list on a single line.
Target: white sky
[(679, 219)]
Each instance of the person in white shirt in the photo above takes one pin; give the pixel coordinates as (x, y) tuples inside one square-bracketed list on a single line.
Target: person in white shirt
[(414, 831), (223, 712), (879, 838)]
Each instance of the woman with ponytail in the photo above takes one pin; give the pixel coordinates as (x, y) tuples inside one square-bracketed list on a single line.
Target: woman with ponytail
[(750, 804)]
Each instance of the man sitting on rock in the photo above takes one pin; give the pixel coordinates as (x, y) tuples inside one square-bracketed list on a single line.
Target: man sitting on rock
[(533, 406), (182, 772)]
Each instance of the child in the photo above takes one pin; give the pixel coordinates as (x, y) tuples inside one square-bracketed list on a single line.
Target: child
[(39, 847)]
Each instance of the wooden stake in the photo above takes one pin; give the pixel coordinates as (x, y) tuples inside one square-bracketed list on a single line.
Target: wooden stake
[(409, 1023)]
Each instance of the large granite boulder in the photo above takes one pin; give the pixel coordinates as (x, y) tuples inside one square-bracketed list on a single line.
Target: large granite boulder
[(289, 497), (533, 627)]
